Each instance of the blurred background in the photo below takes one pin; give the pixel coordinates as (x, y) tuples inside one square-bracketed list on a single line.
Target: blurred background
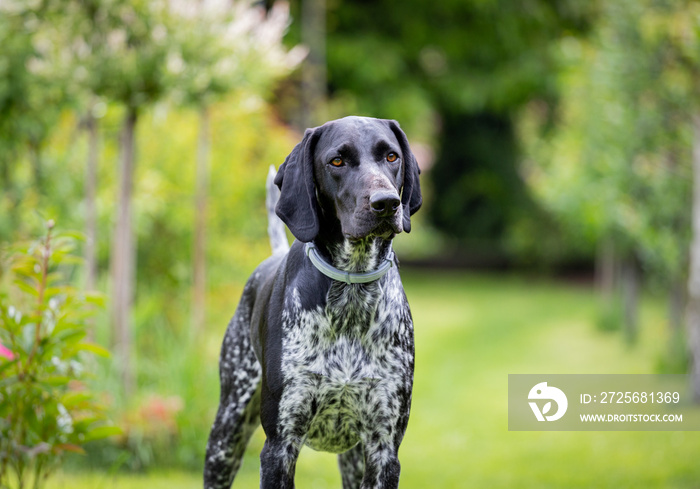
[(556, 144)]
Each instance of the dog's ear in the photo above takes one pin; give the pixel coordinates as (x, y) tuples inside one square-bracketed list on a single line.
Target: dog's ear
[(297, 205), (411, 198)]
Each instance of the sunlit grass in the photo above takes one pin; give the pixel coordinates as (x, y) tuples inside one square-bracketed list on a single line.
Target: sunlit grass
[(155, 480), (471, 332)]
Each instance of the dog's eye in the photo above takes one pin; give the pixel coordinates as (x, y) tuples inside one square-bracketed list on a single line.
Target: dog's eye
[(337, 161), (392, 157)]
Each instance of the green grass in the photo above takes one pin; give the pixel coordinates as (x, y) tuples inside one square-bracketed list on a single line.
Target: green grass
[(471, 332)]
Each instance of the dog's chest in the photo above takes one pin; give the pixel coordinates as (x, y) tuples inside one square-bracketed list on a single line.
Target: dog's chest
[(346, 364)]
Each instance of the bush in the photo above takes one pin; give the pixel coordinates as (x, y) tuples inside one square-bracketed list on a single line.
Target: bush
[(46, 407)]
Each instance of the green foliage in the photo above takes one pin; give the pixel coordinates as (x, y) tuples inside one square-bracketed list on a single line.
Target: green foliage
[(121, 49), (46, 408), (218, 47), (33, 91), (466, 56), (454, 73), (613, 161)]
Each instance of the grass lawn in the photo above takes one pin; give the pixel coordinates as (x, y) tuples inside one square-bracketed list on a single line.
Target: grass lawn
[(471, 332)]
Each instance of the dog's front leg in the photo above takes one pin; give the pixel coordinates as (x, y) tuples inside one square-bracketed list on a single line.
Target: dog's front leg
[(278, 461), (382, 467), (285, 418), (352, 467)]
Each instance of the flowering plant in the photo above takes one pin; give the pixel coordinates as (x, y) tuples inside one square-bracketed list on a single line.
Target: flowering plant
[(45, 407)]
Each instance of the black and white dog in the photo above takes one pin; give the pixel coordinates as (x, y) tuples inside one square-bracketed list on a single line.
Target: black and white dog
[(320, 349)]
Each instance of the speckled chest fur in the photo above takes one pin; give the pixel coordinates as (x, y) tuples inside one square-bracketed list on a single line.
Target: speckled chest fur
[(348, 366)]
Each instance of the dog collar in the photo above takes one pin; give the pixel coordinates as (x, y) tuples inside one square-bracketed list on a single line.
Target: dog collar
[(348, 277)]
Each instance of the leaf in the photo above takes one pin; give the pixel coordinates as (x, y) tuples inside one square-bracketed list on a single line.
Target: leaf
[(71, 315), (546, 408), (66, 259), (69, 447), (93, 348), (70, 335), (25, 287), (102, 432), (95, 298), (76, 235), (54, 277), (55, 380), (84, 424), (72, 399), (62, 244), (26, 266), (4, 364), (58, 290)]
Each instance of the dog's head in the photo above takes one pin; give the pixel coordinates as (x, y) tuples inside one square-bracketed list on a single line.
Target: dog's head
[(357, 174)]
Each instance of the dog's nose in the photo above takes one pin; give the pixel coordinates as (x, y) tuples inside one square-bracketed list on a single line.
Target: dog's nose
[(384, 204)]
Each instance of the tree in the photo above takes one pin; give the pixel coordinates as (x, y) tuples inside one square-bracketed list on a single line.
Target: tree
[(221, 47), (680, 27), (615, 164), (126, 46), (91, 167), (33, 91), (694, 275)]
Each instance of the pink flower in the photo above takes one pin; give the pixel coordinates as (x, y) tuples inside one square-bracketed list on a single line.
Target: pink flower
[(7, 353)]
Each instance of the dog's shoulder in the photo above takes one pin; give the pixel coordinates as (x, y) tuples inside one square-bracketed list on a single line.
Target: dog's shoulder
[(299, 282), (275, 282)]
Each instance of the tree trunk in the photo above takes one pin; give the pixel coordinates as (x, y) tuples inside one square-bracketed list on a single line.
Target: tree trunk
[(605, 270), (677, 353), (123, 256), (91, 210), (314, 77), (90, 204), (630, 299), (693, 310), (200, 219), (676, 304)]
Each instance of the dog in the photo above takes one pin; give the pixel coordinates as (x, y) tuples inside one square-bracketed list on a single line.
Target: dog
[(320, 349)]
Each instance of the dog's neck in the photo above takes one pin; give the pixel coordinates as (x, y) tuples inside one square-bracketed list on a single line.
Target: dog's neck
[(351, 307), (355, 256)]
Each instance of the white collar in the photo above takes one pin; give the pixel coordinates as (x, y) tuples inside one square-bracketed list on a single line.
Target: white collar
[(348, 277)]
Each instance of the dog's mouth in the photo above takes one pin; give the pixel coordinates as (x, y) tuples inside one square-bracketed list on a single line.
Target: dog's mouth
[(385, 228)]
